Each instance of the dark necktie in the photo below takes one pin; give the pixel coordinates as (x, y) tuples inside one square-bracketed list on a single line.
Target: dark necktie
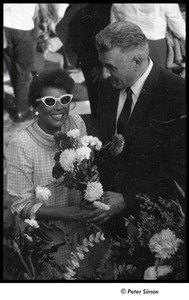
[(125, 113)]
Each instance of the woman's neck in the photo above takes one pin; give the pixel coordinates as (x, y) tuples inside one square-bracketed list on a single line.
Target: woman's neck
[(50, 131)]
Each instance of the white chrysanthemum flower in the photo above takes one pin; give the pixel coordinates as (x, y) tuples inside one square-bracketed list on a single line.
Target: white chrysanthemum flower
[(164, 244), (89, 140), (164, 270), (67, 159), (29, 238), (32, 223), (85, 140), (94, 191), (150, 274), (83, 153), (101, 205), (73, 133), (96, 143), (42, 193)]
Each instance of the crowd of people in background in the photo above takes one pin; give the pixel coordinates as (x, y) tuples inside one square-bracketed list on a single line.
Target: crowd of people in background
[(64, 33)]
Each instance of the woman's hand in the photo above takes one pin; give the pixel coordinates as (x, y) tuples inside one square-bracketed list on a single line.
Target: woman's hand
[(117, 205)]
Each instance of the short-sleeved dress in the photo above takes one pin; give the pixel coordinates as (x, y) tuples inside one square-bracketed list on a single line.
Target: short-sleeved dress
[(29, 162)]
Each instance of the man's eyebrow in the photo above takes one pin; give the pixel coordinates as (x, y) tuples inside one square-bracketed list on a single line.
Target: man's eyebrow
[(110, 66)]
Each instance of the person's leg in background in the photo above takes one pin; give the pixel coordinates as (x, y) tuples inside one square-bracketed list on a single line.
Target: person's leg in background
[(24, 64), (158, 51), (9, 100), (35, 35), (19, 60), (93, 78)]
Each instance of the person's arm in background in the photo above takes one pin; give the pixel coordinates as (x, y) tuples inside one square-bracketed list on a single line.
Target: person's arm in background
[(114, 17), (43, 10), (175, 20)]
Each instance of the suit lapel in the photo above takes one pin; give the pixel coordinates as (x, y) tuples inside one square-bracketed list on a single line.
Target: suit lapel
[(110, 100), (145, 99)]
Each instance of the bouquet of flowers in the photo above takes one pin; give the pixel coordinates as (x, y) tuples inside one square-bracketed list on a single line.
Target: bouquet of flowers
[(155, 245), (74, 162)]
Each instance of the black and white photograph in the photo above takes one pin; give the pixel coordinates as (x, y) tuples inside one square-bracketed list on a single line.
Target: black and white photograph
[(94, 148)]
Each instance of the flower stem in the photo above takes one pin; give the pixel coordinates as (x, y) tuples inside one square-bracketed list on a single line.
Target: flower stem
[(31, 264), (25, 265)]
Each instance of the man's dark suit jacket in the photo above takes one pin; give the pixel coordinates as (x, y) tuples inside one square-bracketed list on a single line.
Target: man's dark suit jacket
[(155, 142)]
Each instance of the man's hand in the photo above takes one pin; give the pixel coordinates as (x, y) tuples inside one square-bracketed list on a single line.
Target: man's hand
[(117, 205)]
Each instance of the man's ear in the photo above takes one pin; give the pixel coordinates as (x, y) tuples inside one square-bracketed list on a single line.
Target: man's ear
[(137, 62)]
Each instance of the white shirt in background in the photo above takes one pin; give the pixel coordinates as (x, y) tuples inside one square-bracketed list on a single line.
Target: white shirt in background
[(152, 18), (20, 15)]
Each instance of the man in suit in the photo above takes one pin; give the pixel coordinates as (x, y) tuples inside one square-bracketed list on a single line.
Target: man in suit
[(153, 159)]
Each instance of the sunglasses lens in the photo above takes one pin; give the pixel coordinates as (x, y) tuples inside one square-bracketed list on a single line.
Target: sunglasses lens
[(65, 100), (49, 101)]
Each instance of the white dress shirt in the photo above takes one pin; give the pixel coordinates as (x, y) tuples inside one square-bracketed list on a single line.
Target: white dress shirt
[(136, 89), (152, 18), (19, 16)]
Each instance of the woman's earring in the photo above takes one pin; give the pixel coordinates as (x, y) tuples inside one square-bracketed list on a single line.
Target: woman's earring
[(36, 113)]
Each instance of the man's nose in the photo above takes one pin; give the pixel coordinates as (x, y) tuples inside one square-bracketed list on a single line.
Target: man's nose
[(105, 73)]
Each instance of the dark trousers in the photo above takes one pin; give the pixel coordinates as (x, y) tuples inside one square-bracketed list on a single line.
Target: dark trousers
[(93, 79), (158, 51), (18, 57)]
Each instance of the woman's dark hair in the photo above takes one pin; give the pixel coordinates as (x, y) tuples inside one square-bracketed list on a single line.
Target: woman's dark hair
[(54, 78)]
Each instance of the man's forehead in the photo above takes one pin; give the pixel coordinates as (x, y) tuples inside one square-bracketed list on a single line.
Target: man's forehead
[(114, 56)]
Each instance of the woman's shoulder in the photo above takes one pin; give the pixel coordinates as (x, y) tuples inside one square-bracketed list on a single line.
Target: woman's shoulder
[(21, 138), (76, 121), (76, 118)]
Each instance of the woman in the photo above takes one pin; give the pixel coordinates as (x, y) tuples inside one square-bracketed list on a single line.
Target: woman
[(30, 159)]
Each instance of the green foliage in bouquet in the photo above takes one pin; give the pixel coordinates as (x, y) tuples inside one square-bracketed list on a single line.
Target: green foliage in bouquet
[(155, 247), (27, 255)]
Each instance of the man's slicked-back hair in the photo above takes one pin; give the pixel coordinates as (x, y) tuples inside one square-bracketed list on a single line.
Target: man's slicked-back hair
[(124, 35)]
